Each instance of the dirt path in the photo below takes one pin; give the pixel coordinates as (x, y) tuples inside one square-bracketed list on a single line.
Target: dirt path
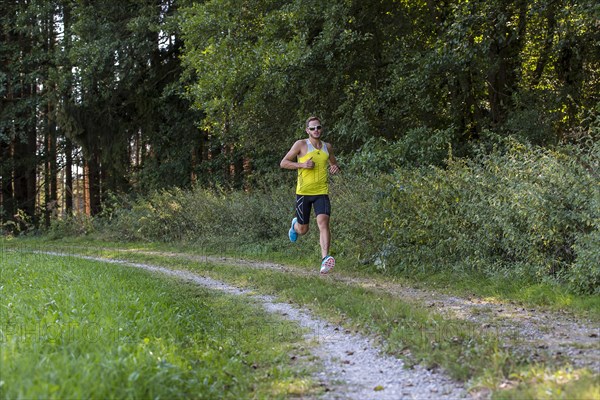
[(353, 367), (535, 333)]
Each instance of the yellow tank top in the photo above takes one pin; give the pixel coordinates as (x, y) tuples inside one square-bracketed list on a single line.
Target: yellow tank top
[(314, 181)]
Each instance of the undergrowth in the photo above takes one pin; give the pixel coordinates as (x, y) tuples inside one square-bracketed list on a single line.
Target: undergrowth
[(515, 212)]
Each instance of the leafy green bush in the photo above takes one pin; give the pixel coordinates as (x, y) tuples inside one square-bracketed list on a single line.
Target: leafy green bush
[(204, 215), (585, 275), (356, 223), (21, 224), (71, 225), (517, 212), (418, 147)]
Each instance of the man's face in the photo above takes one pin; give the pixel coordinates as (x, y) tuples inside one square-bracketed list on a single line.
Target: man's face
[(314, 129)]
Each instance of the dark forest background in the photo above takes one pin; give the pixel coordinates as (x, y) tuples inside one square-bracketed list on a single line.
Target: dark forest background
[(122, 96)]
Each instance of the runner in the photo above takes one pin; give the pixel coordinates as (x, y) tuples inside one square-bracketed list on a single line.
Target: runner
[(314, 161)]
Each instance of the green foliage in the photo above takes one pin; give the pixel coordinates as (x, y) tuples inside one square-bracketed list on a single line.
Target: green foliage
[(356, 225), (420, 147), (203, 215), (392, 69), (71, 225), (552, 384), (525, 213), (21, 224), (585, 276), (120, 78)]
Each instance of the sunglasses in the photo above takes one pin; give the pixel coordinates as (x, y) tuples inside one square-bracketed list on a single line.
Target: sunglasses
[(312, 128)]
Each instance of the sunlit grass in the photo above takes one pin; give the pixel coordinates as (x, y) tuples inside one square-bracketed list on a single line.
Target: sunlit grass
[(546, 384), (75, 328)]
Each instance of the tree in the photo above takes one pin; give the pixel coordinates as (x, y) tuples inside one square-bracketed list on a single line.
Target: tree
[(402, 71), (22, 57), (103, 77), (125, 110)]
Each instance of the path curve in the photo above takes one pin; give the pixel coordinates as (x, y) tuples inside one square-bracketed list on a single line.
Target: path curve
[(353, 366), (535, 333)]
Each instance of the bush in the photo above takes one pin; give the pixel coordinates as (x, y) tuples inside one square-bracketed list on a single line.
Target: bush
[(418, 147), (585, 275), (519, 212), (204, 216), (357, 225), (71, 225)]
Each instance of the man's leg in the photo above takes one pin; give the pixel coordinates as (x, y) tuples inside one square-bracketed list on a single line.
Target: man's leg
[(323, 211), (300, 223), (301, 229), (324, 234), (327, 262)]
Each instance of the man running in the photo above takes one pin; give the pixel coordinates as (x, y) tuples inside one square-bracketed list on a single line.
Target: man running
[(313, 158)]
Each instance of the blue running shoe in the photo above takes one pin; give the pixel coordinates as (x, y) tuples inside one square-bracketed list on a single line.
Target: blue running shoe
[(292, 233), (327, 264)]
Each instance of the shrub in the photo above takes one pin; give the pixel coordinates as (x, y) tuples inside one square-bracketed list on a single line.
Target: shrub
[(71, 225), (204, 215), (418, 147), (519, 211), (585, 275), (357, 224)]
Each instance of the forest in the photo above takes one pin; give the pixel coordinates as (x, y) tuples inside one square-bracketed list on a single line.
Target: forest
[(468, 130)]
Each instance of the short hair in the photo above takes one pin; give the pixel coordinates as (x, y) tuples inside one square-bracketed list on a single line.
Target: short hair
[(312, 118)]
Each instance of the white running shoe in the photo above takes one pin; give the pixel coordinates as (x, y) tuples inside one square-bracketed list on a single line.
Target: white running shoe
[(327, 264)]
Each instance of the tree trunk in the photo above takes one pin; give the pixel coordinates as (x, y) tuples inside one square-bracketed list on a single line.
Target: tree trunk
[(47, 201), (547, 47), (94, 184), (25, 175), (68, 191), (68, 149), (504, 60), (7, 201)]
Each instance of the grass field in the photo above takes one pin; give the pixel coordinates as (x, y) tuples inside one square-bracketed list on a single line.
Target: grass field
[(74, 328), (418, 335)]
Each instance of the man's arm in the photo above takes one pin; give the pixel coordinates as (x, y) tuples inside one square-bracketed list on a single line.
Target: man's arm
[(289, 161), (333, 165)]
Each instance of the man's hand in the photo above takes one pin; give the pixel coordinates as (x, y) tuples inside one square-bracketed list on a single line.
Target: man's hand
[(334, 169), (308, 164)]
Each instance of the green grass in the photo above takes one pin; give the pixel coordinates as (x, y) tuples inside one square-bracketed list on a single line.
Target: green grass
[(409, 330), (558, 385), (414, 333), (73, 328), (548, 296)]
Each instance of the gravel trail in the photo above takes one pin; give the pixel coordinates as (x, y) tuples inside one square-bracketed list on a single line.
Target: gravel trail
[(353, 367), (537, 334)]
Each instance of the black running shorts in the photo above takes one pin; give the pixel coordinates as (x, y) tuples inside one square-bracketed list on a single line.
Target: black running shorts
[(305, 203)]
